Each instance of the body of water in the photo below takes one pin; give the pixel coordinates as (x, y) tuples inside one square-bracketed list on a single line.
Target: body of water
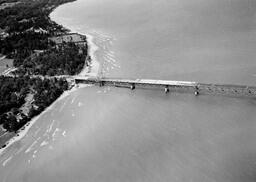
[(115, 134)]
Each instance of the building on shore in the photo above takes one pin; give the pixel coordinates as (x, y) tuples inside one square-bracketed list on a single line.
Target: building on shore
[(75, 38), (71, 37)]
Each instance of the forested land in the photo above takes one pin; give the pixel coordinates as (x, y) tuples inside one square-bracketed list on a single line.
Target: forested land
[(25, 29), (13, 92), (67, 60), (28, 27)]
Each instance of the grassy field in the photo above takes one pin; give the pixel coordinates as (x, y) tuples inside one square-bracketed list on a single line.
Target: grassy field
[(4, 62)]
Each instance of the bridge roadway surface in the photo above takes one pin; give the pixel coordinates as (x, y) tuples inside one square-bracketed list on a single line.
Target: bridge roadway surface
[(166, 85), (173, 86)]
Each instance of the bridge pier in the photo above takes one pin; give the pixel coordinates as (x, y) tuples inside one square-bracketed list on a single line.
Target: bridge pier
[(175, 86), (166, 89), (101, 83), (196, 91), (132, 87)]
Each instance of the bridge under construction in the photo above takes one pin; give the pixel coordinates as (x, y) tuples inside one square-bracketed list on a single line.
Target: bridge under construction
[(173, 86)]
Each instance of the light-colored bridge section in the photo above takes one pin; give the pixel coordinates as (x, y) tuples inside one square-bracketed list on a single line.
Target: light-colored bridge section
[(174, 86)]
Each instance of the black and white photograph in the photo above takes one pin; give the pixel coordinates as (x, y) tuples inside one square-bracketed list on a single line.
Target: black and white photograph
[(127, 90)]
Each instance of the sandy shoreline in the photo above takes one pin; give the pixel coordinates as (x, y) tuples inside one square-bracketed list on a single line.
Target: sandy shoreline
[(93, 68), (90, 71), (23, 131)]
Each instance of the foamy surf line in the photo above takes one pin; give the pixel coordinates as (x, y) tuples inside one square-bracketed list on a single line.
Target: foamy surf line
[(93, 68), (24, 130)]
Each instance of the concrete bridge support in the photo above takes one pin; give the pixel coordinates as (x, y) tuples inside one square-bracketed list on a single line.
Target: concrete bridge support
[(101, 83), (175, 86), (132, 87), (196, 91), (166, 89)]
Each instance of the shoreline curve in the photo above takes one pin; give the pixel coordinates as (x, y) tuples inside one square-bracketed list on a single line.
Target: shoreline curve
[(90, 71)]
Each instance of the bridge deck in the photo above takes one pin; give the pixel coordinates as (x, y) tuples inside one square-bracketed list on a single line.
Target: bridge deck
[(151, 82), (178, 86)]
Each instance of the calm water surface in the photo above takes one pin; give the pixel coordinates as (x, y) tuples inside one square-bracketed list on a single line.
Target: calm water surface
[(111, 134)]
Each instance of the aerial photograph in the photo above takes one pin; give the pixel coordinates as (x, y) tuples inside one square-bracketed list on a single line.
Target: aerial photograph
[(127, 90)]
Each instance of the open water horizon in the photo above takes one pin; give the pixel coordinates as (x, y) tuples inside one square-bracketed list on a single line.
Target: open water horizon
[(115, 134)]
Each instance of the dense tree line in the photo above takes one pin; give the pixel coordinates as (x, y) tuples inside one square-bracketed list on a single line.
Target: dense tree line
[(69, 59), (20, 46), (21, 20), (13, 92), (38, 11)]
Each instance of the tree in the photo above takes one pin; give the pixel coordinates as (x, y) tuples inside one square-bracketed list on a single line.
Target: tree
[(3, 118), (11, 123)]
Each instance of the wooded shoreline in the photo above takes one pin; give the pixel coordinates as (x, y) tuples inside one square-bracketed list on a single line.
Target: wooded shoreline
[(28, 37)]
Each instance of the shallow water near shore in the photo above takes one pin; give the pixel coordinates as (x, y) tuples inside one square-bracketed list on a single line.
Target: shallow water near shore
[(114, 134)]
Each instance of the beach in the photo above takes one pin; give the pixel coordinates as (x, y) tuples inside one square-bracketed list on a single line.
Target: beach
[(115, 134), (88, 71), (93, 69)]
